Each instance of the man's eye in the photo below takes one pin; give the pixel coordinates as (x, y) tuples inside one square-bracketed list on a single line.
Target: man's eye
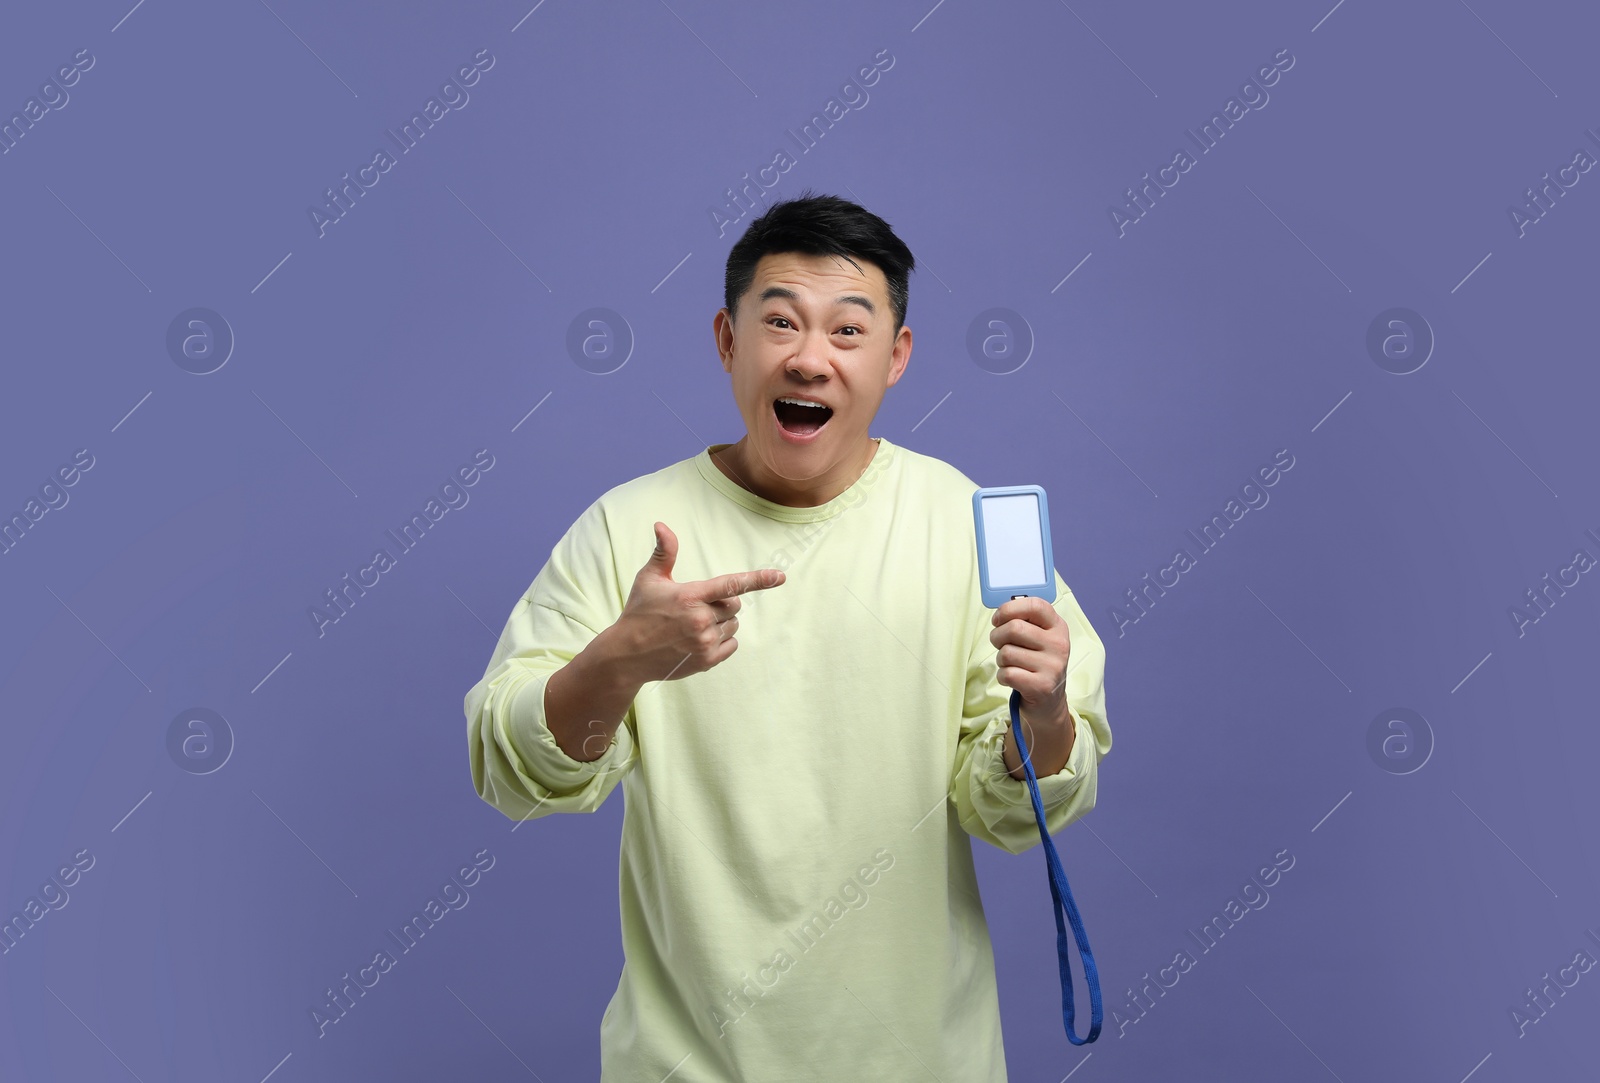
[(851, 327), (779, 319)]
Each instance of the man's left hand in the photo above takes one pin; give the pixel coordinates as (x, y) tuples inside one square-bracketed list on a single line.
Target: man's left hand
[(1034, 646)]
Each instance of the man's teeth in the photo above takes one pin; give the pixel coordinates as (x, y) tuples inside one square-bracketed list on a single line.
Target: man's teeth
[(803, 402)]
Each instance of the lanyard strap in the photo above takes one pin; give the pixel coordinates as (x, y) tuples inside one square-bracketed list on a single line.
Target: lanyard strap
[(1061, 892)]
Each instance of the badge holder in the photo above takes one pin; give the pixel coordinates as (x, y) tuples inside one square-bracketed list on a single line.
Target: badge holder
[(1014, 561)]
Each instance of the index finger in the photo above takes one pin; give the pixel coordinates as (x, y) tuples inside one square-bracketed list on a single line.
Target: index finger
[(1030, 608), (736, 583)]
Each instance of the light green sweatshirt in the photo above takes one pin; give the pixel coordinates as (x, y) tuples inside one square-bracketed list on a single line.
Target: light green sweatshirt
[(798, 899)]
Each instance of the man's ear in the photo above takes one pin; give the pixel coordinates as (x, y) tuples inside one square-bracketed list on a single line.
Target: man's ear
[(900, 355), (722, 334)]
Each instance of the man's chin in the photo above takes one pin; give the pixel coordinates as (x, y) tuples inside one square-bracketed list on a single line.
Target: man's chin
[(801, 462)]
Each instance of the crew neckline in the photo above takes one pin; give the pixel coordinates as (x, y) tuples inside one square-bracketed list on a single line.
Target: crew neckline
[(881, 460)]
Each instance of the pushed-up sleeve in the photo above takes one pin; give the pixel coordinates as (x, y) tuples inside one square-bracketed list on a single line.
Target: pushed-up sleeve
[(517, 766), (990, 804)]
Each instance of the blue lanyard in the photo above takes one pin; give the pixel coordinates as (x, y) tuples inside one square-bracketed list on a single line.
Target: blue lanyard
[(1062, 893)]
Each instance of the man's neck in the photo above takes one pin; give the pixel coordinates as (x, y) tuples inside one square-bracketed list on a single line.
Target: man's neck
[(733, 461)]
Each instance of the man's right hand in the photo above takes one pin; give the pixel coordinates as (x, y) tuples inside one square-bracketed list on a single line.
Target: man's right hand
[(670, 630)]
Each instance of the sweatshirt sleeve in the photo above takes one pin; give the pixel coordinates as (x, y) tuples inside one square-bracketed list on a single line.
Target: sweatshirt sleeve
[(990, 804), (517, 766)]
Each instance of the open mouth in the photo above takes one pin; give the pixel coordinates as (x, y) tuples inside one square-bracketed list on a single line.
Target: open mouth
[(798, 419)]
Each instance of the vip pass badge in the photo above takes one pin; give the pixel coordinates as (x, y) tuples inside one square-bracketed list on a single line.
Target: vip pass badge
[(1014, 561)]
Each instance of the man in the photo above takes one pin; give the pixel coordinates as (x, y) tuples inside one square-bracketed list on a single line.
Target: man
[(797, 890)]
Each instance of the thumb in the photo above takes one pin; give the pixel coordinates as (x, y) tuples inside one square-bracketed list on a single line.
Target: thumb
[(665, 553)]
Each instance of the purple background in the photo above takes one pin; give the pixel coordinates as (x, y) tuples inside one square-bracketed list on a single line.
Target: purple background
[(370, 362)]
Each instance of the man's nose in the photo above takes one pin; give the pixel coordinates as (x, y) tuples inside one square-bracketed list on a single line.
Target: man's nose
[(811, 359)]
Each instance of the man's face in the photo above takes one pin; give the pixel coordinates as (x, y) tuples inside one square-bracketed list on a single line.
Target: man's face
[(812, 327)]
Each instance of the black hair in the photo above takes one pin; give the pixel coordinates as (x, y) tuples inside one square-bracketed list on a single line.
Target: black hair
[(821, 225)]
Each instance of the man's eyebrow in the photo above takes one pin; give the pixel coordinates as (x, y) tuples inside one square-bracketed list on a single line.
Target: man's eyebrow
[(847, 299)]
